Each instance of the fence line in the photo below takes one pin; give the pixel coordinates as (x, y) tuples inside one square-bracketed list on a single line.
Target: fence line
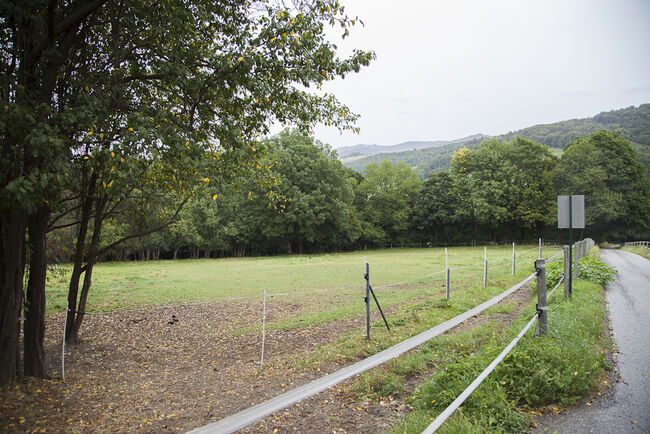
[(447, 270), (442, 417), (637, 244), (451, 408), (247, 297), (246, 417)]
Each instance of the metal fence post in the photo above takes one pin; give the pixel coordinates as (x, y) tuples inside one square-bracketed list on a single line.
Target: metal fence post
[(576, 258), (540, 249), (447, 284), (567, 271), (540, 267), (514, 259), (447, 269), (65, 327), (485, 267), (367, 299)]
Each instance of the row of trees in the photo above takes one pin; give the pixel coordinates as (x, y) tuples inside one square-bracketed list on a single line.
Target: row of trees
[(500, 191)]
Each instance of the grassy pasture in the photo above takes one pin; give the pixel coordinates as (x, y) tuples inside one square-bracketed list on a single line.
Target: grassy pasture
[(317, 326), (126, 285)]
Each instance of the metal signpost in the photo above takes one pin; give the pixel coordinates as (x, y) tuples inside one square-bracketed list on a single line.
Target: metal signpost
[(571, 214)]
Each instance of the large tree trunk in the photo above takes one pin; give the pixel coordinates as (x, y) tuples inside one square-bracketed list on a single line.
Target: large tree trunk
[(34, 326), (12, 269)]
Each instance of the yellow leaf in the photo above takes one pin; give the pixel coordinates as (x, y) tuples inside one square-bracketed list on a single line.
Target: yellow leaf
[(215, 197), (187, 145), (122, 159), (130, 129), (87, 89), (239, 59), (112, 154), (101, 135)]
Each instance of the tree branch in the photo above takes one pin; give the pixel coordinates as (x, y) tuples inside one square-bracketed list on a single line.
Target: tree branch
[(140, 234), (73, 20)]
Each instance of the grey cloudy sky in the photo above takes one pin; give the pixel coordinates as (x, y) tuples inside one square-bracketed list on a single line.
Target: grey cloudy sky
[(446, 69)]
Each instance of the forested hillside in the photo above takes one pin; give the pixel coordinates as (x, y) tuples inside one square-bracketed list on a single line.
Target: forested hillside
[(423, 161), (632, 122), (368, 150)]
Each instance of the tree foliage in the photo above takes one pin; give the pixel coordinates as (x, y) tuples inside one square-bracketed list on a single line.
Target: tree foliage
[(385, 200), (604, 167), (94, 92)]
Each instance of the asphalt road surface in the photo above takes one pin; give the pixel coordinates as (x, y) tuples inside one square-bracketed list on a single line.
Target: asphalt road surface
[(626, 407)]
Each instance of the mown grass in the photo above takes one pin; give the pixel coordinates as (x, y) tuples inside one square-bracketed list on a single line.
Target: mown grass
[(134, 284)]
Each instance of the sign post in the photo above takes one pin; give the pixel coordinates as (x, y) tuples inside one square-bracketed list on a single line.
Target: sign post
[(570, 214)]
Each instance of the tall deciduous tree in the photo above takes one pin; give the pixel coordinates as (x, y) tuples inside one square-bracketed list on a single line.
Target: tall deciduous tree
[(505, 185), (434, 211), (163, 82), (318, 196), (386, 197), (605, 168)]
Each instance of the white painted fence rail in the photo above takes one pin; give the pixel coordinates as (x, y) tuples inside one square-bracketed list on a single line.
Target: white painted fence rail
[(645, 244)]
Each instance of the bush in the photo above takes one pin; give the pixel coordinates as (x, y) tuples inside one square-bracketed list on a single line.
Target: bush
[(595, 270), (590, 268)]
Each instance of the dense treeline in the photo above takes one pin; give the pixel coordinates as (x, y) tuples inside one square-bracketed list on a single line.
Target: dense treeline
[(633, 123), (500, 191)]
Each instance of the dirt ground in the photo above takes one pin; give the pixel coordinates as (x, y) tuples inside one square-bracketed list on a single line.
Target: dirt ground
[(179, 368)]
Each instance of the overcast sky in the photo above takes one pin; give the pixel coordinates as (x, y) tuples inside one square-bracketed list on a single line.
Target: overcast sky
[(446, 69)]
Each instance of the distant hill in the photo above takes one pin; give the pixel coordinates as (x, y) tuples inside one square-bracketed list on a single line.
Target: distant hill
[(632, 122), (345, 152)]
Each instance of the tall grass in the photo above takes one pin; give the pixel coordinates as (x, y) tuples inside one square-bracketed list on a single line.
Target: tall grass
[(555, 369)]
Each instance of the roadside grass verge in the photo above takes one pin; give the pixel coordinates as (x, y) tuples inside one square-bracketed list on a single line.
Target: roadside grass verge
[(641, 251), (558, 368)]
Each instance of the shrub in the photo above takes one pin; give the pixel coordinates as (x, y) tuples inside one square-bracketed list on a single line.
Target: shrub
[(590, 268)]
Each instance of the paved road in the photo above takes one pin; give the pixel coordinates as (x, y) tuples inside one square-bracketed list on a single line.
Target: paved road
[(626, 408)]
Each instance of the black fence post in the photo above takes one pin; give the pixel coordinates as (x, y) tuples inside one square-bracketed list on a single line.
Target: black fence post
[(540, 267), (367, 300)]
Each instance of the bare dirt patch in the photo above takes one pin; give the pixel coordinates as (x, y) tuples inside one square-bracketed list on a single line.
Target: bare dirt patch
[(176, 368)]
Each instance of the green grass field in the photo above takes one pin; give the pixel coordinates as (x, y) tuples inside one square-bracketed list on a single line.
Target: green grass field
[(125, 285), (641, 251)]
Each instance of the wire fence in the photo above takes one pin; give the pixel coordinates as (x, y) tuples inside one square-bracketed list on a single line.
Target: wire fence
[(582, 248), (466, 272)]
